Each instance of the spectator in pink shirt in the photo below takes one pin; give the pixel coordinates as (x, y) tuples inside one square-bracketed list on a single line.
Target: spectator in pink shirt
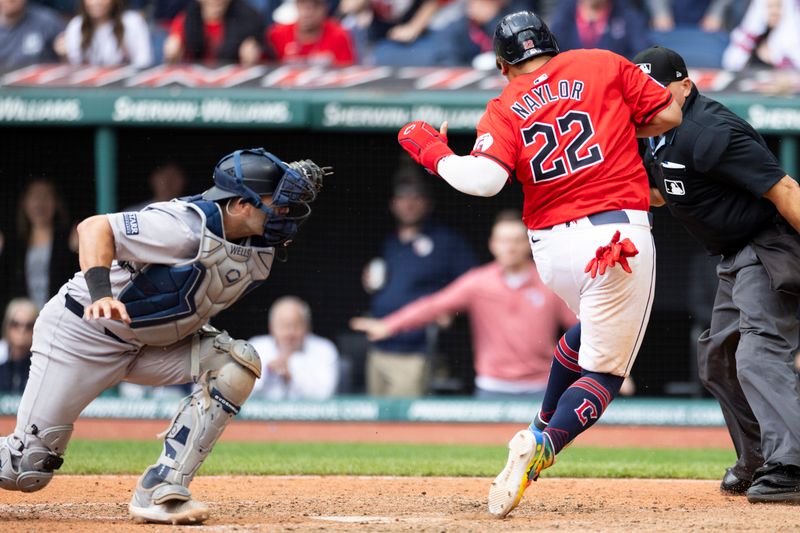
[(516, 320)]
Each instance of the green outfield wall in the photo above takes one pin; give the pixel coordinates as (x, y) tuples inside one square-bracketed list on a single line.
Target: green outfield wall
[(633, 411), (304, 109)]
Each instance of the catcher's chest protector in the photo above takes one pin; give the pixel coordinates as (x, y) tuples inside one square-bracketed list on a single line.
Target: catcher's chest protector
[(169, 303)]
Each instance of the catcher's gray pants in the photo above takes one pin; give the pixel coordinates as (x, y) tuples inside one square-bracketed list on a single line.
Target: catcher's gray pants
[(74, 361), (746, 360)]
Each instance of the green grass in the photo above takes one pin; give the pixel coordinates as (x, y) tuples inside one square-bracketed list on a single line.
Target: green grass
[(131, 457)]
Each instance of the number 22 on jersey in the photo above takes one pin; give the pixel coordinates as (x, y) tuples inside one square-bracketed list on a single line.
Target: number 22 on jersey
[(564, 147)]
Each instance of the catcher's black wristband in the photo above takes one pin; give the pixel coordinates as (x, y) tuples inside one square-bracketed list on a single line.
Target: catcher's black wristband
[(98, 280)]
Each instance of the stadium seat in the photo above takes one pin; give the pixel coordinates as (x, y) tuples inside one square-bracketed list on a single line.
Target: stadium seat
[(699, 49)]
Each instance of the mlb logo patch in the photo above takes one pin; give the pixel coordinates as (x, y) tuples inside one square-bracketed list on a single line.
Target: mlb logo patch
[(527, 45), (675, 187), (131, 223)]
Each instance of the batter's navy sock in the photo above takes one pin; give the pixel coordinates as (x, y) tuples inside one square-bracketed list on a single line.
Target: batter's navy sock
[(564, 370), (581, 406)]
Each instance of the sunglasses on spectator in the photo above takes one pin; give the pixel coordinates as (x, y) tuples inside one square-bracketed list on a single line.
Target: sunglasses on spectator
[(27, 325)]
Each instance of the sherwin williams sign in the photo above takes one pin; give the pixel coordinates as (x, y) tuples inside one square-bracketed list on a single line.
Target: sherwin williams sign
[(636, 411)]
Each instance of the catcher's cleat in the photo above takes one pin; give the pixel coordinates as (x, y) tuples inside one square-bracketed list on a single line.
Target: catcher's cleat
[(166, 503), (529, 452)]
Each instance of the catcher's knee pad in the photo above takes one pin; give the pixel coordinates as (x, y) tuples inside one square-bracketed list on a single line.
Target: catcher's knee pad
[(233, 366), (27, 463), (228, 370)]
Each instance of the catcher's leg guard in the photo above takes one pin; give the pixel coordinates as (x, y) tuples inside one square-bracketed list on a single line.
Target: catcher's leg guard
[(226, 370), (27, 463)]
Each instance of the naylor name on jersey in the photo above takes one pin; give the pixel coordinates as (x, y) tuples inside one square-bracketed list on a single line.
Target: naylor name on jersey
[(538, 97)]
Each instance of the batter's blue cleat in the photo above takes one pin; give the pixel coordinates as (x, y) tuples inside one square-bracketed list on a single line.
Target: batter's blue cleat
[(538, 424), (529, 452)]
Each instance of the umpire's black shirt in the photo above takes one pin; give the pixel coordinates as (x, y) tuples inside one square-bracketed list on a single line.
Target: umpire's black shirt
[(712, 171)]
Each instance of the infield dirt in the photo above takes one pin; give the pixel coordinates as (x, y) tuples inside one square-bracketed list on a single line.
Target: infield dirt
[(299, 504), (379, 504)]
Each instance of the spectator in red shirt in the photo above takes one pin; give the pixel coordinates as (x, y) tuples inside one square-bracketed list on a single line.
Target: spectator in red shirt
[(215, 31), (515, 319), (315, 38)]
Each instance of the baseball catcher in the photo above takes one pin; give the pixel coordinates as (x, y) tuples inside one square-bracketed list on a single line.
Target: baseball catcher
[(138, 311)]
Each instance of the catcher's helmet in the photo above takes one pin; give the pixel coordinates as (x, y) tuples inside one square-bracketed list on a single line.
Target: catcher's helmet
[(523, 35), (252, 173), (245, 173)]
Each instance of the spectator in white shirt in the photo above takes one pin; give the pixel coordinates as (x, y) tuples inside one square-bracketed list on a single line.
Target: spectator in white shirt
[(296, 364), (767, 37), (104, 34)]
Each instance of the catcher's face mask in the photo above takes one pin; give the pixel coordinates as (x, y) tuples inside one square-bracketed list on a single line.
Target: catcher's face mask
[(298, 184)]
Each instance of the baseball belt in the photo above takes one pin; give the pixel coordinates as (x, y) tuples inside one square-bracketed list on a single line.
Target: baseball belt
[(77, 309)]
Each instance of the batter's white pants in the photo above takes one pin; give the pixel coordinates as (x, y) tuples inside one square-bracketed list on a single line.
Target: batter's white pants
[(613, 308)]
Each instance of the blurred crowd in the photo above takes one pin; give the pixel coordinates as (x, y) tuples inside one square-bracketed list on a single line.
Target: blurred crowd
[(423, 276), (36, 257), (423, 265), (730, 34)]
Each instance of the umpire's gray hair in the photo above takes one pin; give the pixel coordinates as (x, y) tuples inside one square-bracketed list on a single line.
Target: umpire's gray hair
[(305, 310), (15, 305)]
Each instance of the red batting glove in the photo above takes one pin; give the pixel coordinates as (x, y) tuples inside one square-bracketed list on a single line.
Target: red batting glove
[(621, 251), (609, 255), (596, 263), (424, 144)]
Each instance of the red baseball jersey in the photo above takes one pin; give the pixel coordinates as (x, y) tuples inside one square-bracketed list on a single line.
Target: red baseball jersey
[(334, 46), (568, 129)]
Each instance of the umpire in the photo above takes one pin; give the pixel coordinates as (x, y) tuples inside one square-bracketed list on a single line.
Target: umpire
[(717, 176)]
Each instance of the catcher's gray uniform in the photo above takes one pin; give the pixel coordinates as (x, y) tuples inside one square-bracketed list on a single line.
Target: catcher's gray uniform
[(174, 271)]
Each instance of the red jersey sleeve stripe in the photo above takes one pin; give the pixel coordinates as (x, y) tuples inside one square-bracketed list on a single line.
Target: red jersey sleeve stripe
[(493, 158), (657, 109)]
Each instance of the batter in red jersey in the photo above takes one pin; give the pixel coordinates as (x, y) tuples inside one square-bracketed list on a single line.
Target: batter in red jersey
[(568, 129), (566, 125)]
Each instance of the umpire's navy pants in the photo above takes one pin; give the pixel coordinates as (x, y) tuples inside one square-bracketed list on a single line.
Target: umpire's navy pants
[(746, 360)]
